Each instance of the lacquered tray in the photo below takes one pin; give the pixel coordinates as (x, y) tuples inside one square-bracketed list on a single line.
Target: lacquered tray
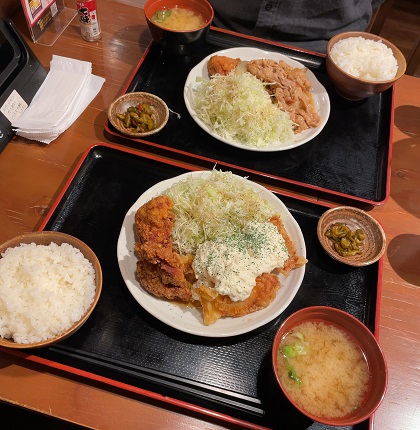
[(124, 346), (350, 157)]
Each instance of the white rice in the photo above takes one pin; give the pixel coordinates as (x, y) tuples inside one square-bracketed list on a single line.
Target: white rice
[(44, 290), (364, 58)]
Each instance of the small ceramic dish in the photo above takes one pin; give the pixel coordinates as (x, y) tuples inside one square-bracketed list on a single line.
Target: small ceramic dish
[(160, 112), (364, 340), (46, 238), (374, 243)]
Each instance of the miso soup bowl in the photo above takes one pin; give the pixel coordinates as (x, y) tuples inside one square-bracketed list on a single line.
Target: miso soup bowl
[(361, 336), (354, 88), (179, 42)]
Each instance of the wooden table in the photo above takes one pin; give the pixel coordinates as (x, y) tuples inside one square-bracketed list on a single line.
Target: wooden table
[(31, 176)]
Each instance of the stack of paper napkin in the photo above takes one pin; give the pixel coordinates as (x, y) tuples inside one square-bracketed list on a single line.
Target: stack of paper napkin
[(66, 92)]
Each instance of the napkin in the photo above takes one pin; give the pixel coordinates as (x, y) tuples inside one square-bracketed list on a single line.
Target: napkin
[(65, 93)]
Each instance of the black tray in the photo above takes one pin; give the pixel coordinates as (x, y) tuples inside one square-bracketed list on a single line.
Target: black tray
[(350, 157), (124, 344)]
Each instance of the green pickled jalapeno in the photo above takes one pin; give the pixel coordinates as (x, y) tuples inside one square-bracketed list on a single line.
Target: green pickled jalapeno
[(346, 242), (138, 119)]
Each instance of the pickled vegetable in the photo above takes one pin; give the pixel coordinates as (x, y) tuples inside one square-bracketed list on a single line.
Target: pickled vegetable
[(138, 119), (346, 242)]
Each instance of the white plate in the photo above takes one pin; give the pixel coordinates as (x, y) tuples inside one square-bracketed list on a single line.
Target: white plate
[(190, 319), (320, 96)]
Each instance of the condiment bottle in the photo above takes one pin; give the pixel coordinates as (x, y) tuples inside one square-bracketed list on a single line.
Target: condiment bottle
[(88, 19)]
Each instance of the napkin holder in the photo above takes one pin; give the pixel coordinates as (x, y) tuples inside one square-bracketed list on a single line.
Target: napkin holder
[(21, 75)]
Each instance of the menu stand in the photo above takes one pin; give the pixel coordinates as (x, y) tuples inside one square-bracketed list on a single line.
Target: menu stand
[(47, 19)]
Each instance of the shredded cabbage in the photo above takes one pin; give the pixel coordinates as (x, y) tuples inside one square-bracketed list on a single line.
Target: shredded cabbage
[(218, 206), (239, 109)]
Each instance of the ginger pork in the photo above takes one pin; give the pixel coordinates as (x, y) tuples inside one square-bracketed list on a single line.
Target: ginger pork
[(290, 88)]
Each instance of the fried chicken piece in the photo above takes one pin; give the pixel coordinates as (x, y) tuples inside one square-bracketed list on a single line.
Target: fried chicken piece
[(294, 261), (167, 274), (160, 270), (216, 306), (264, 292), (221, 65)]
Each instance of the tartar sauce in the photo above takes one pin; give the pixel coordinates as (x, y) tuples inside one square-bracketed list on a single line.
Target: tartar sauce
[(232, 263)]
